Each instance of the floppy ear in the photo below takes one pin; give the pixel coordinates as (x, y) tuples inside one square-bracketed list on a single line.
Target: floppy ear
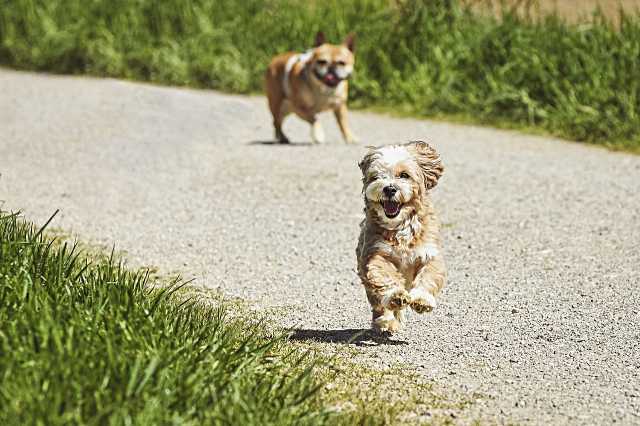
[(367, 159), (365, 163), (319, 39), (429, 162), (350, 41)]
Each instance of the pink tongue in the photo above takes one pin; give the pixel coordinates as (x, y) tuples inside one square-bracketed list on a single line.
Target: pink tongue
[(330, 78), (390, 207)]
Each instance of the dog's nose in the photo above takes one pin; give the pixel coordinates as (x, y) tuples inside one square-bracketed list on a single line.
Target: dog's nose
[(389, 191)]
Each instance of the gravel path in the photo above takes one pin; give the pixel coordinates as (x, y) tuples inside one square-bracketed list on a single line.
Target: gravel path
[(540, 320)]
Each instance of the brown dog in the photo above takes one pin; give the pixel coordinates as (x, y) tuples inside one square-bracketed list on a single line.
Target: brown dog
[(309, 83)]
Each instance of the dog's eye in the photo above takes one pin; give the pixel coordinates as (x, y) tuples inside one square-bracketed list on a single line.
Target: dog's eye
[(321, 62), (341, 63), (404, 175)]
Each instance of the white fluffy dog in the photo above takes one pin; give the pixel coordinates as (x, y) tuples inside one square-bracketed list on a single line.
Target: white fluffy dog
[(399, 256)]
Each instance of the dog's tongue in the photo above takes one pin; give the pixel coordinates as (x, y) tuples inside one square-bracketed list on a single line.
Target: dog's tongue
[(391, 208), (330, 78)]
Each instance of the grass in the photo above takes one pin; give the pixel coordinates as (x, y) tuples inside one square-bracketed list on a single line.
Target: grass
[(93, 343), (426, 57), (84, 340)]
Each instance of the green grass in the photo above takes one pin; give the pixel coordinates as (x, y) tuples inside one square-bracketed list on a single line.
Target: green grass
[(93, 343), (426, 57)]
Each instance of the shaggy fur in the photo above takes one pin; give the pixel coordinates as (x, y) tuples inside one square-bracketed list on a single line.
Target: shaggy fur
[(309, 83), (399, 256)]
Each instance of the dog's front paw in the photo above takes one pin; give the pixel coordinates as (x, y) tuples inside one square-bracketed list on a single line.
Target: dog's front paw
[(351, 138), (422, 301), (396, 299)]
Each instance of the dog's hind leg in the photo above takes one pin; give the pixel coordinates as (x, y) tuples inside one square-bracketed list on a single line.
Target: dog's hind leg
[(400, 317), (278, 118), (385, 321), (279, 107)]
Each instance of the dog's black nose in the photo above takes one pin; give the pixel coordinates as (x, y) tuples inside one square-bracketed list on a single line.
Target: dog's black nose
[(389, 191)]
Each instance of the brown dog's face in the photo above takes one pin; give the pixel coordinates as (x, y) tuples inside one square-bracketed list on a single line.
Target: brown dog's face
[(331, 64), (396, 178)]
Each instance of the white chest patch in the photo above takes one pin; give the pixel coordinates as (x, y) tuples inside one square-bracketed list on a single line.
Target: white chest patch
[(407, 259), (421, 254)]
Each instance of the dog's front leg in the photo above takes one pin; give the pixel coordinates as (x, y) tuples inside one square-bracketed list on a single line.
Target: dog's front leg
[(427, 284), (317, 133), (309, 115), (341, 117), (385, 291)]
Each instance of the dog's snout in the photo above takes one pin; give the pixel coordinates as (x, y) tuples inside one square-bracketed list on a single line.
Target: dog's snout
[(389, 191)]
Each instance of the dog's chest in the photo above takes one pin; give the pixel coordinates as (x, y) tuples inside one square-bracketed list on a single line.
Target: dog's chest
[(405, 260), (325, 98), (409, 259)]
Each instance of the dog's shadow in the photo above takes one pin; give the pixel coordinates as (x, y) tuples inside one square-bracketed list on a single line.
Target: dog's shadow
[(356, 336), (276, 143)]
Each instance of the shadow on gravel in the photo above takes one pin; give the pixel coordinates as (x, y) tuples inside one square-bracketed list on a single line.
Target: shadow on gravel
[(357, 336), (276, 143)]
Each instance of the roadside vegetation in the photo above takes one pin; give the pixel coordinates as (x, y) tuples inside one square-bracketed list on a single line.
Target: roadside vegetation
[(434, 58), (85, 340)]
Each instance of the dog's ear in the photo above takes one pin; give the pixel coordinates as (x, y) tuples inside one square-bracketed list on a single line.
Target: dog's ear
[(367, 159), (350, 41), (429, 161), (320, 40), (365, 163)]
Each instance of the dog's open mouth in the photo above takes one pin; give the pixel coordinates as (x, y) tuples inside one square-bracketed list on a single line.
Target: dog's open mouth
[(391, 208), (329, 78)]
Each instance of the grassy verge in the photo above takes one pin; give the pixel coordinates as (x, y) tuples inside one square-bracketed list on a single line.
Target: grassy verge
[(426, 57), (93, 343), (84, 340)]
